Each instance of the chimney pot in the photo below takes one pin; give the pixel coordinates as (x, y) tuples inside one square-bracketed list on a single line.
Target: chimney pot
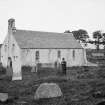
[(11, 23)]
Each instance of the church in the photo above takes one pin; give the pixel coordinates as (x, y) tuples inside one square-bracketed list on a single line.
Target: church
[(26, 48)]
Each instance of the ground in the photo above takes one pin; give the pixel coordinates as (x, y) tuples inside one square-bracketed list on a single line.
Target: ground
[(79, 86)]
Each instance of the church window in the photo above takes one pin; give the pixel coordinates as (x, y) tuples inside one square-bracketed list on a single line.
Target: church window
[(73, 54), (59, 54), (37, 55)]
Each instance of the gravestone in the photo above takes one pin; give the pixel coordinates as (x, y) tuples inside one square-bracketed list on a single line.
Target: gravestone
[(48, 90), (33, 69), (17, 72), (17, 76), (3, 97)]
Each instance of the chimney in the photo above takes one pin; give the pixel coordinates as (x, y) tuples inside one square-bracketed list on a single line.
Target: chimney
[(11, 25)]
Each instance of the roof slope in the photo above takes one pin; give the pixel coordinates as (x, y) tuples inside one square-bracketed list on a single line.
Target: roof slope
[(37, 39)]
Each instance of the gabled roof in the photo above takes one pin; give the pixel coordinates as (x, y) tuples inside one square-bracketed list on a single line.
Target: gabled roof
[(37, 39)]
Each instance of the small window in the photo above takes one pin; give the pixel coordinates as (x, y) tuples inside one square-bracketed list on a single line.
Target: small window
[(13, 47), (5, 47), (14, 58), (73, 54), (59, 54), (37, 55)]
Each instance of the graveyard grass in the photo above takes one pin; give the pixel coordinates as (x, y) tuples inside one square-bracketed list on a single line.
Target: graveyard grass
[(78, 86), (81, 85)]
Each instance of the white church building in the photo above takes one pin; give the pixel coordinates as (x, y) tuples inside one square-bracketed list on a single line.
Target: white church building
[(26, 47)]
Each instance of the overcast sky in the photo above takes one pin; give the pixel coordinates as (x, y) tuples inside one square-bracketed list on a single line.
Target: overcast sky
[(52, 15)]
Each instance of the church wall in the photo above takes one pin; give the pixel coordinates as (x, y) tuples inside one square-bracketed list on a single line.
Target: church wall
[(11, 49), (74, 57)]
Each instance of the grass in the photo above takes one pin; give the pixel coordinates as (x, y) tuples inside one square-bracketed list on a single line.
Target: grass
[(77, 91), (79, 86), (100, 60)]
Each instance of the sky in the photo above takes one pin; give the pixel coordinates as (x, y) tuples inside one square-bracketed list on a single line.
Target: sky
[(52, 15)]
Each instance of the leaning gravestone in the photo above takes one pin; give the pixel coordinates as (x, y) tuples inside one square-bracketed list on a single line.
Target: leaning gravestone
[(47, 90)]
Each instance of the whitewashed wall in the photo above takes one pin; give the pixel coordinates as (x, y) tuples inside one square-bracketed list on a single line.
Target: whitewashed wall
[(11, 51), (50, 56), (4, 52)]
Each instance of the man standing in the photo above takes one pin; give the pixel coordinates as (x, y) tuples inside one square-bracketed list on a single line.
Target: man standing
[(63, 63)]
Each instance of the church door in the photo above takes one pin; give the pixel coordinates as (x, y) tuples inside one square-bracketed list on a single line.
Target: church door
[(9, 67)]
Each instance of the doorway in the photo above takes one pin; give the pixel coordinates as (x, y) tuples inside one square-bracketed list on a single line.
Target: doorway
[(9, 71)]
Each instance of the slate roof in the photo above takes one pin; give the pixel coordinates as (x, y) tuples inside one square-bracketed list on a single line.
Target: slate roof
[(38, 39)]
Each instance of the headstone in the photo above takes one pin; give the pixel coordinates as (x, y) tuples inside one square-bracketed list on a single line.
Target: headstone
[(48, 90), (3, 97), (33, 69), (17, 76)]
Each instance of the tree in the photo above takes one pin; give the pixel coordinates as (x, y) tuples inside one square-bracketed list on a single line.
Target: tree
[(76, 35), (81, 34), (97, 35), (103, 39), (103, 35), (67, 31)]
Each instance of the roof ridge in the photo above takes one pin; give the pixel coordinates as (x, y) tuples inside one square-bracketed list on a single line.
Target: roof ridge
[(42, 31)]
